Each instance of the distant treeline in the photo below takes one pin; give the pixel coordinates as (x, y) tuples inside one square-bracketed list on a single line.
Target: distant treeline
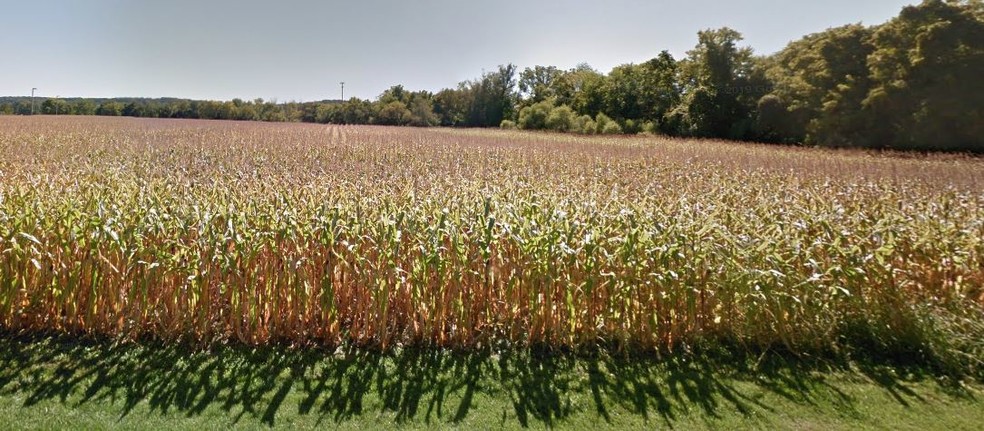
[(236, 109), (914, 82)]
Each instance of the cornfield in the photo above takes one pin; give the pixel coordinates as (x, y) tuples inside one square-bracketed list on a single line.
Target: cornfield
[(325, 235)]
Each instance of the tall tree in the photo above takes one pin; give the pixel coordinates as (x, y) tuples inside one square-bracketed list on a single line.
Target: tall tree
[(422, 112), (493, 97), (660, 90), (720, 86), (926, 67), (581, 88), (451, 105), (394, 113), (536, 84), (820, 82), (621, 90)]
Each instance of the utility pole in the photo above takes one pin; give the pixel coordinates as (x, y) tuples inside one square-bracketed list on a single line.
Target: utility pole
[(32, 100), (343, 90)]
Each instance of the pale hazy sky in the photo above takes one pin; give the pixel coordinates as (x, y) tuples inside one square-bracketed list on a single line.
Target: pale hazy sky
[(300, 49)]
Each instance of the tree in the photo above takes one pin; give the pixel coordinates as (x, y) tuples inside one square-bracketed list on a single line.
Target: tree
[(621, 92), (720, 87), (325, 113), (536, 83), (451, 105), (223, 110), (926, 67), (773, 122), (606, 126), (247, 112), (356, 111), (820, 82), (909, 83), (395, 93), (642, 92), (660, 90), (394, 113), (422, 112), (581, 88), (493, 97), (84, 107), (133, 109), (114, 109), (55, 107)]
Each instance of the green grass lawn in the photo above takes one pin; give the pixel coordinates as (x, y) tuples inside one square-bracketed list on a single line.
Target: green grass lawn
[(50, 383)]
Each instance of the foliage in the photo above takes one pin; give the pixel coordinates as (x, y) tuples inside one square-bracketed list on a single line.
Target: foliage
[(610, 128), (925, 67), (585, 125), (393, 114), (113, 109), (601, 120), (582, 88), (820, 81), (720, 87), (534, 117), (650, 128), (422, 112), (492, 97), (537, 83), (646, 91), (906, 84), (561, 119), (910, 83)]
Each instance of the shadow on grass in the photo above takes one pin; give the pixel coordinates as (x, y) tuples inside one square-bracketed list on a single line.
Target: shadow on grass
[(412, 385)]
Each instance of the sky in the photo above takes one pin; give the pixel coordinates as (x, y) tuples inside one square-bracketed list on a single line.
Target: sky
[(299, 50)]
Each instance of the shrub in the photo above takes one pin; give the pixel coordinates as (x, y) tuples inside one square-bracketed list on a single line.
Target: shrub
[(606, 126), (601, 120), (631, 127), (393, 114), (561, 119), (534, 117), (584, 124), (650, 128), (611, 128)]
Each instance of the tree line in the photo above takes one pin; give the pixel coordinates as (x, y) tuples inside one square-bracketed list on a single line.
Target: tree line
[(236, 109), (910, 83)]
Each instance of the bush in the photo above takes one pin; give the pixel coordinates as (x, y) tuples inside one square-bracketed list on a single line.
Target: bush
[(112, 109), (534, 117), (393, 114), (612, 128), (561, 119), (650, 128), (601, 120), (606, 126), (507, 125), (422, 113), (584, 124), (631, 127)]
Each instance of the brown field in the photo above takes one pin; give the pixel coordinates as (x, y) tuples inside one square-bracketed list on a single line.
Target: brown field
[(309, 234)]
